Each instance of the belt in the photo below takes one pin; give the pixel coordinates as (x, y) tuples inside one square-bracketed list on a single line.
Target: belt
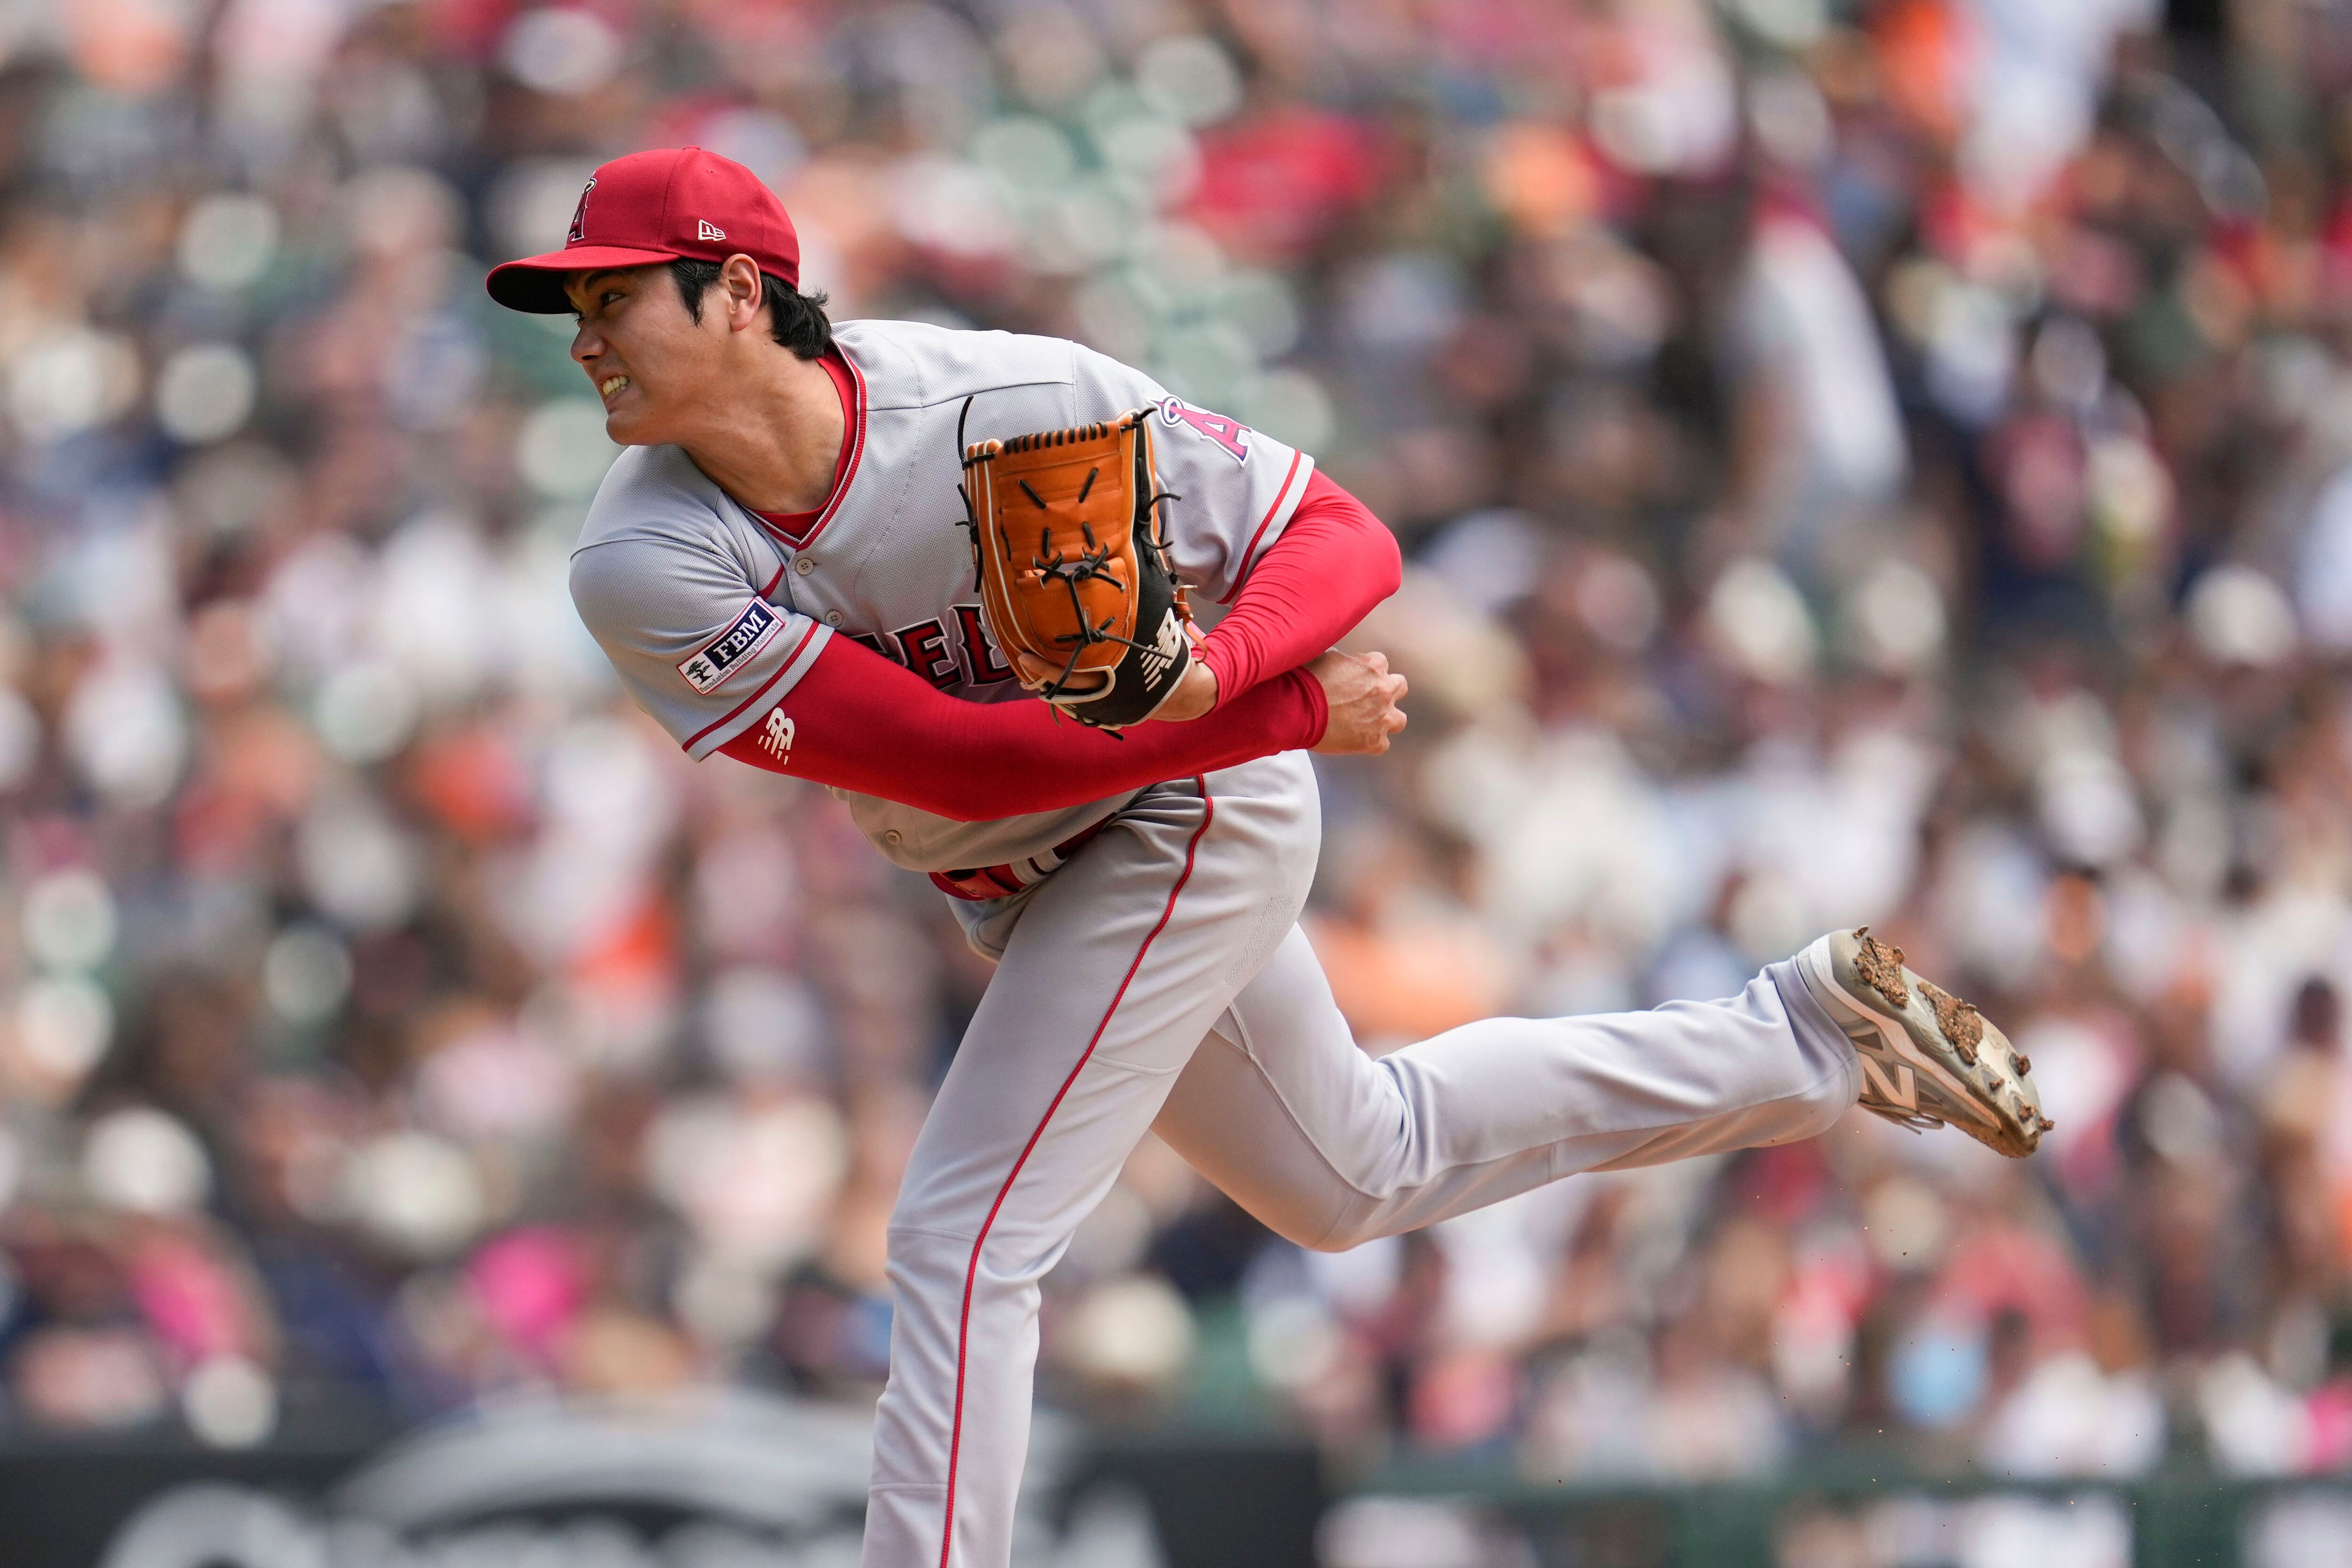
[(1003, 882)]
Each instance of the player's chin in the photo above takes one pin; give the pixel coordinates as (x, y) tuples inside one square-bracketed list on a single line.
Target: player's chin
[(628, 422)]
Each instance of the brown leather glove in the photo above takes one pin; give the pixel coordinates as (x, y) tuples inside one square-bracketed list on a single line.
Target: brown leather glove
[(1075, 582)]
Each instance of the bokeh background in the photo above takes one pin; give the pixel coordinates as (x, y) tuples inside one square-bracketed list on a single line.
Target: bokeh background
[(1858, 461)]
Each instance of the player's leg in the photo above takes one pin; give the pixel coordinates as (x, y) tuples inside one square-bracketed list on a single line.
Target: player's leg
[(1111, 974), (1331, 1147)]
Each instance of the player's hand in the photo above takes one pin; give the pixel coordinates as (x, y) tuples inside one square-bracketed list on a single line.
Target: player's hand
[(1195, 694), (1362, 696)]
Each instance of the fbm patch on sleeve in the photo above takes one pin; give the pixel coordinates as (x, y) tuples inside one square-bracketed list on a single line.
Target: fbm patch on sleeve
[(708, 668)]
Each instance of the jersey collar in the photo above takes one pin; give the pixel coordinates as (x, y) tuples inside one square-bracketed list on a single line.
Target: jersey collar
[(800, 530)]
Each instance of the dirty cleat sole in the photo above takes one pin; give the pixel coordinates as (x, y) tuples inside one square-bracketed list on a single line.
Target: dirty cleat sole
[(1928, 1060)]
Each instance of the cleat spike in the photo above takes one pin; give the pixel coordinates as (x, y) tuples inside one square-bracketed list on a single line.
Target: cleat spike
[(1881, 966)]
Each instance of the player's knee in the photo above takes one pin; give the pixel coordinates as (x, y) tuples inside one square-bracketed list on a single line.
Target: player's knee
[(1350, 1230), (1313, 1236), (922, 1247), (1303, 1226), (1348, 1237)]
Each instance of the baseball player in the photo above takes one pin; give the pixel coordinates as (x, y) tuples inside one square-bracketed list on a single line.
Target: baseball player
[(782, 568)]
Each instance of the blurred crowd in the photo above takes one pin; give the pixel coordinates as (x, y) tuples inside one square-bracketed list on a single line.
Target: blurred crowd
[(1858, 461)]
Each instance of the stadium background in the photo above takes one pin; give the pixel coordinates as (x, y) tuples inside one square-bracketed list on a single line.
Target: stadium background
[(1881, 461)]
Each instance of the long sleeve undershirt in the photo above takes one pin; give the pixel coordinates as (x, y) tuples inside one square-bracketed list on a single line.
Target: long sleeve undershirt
[(861, 722), (1330, 565)]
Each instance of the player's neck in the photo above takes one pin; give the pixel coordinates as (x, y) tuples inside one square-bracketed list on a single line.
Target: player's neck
[(773, 440)]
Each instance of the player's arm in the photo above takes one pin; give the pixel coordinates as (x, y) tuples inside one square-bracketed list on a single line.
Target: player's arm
[(1302, 593), (1252, 523), (699, 647), (859, 721)]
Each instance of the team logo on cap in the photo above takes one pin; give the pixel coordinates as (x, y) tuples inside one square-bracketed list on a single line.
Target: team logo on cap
[(580, 213), (707, 230)]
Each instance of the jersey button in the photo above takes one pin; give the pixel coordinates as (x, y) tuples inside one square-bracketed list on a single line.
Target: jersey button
[(893, 837), (833, 617), (805, 565)]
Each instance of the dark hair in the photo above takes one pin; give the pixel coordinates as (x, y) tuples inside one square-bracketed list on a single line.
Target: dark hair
[(797, 320)]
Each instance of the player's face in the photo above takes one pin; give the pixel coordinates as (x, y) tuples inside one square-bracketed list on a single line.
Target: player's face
[(642, 352)]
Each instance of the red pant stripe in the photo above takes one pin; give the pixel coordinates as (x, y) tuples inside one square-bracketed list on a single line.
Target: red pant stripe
[(971, 1271)]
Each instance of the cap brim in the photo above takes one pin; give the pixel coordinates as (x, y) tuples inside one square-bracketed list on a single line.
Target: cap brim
[(535, 283)]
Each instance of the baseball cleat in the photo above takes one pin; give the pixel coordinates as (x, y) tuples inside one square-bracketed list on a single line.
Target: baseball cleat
[(1928, 1060)]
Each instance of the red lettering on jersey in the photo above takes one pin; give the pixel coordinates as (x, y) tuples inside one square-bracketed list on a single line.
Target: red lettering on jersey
[(1227, 433), (926, 643), (980, 656)]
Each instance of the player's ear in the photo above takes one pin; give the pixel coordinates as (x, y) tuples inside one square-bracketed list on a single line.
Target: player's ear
[(740, 278)]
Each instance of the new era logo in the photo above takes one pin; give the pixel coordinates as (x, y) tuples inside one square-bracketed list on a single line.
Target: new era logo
[(706, 229)]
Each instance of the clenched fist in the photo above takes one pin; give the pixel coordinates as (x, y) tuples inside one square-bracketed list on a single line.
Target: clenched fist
[(1362, 696)]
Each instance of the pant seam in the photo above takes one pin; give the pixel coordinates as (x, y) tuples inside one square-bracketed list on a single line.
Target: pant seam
[(1250, 1056), (1806, 1093), (1248, 1049)]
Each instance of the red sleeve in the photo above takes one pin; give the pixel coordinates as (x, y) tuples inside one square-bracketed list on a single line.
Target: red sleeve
[(861, 722), (1332, 563)]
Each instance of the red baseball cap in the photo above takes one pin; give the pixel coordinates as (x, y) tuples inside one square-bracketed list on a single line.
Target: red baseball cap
[(658, 206)]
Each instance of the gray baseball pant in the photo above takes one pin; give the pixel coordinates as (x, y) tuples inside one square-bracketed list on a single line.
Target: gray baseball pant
[(1159, 982)]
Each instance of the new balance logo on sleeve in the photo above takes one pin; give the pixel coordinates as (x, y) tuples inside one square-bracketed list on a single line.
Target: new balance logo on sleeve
[(776, 739)]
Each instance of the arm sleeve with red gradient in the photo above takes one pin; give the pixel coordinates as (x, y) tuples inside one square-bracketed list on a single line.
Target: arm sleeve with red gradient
[(860, 722), (1332, 563)]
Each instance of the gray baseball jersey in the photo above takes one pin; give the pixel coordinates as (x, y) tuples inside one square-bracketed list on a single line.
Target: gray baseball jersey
[(712, 613)]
